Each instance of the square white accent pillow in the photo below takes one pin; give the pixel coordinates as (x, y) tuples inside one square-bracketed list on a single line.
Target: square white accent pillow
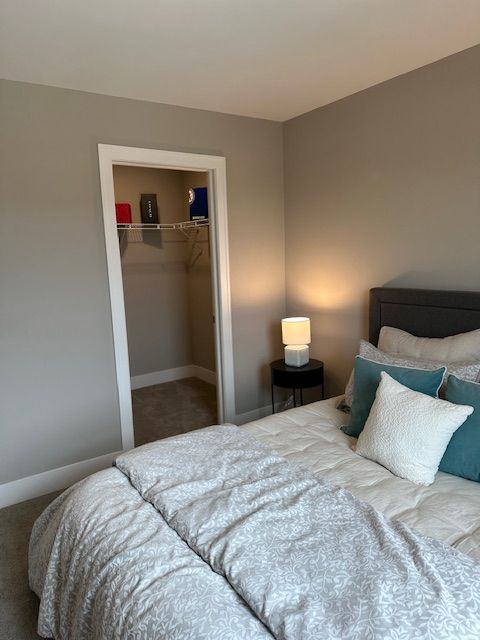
[(407, 432), (464, 347)]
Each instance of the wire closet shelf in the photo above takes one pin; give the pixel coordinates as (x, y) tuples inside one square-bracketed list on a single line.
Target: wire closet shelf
[(190, 229), (189, 224)]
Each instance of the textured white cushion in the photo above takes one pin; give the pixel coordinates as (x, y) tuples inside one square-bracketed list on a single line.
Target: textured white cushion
[(464, 370), (462, 347), (407, 432)]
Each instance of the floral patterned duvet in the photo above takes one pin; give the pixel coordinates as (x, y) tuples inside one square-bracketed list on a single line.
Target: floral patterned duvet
[(212, 535)]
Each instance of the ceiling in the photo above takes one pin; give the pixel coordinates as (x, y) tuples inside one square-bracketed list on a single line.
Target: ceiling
[(266, 58)]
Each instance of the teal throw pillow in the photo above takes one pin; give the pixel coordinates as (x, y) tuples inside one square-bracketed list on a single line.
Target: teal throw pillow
[(462, 456), (367, 378)]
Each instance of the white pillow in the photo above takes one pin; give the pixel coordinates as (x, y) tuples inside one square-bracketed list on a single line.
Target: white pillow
[(407, 432), (462, 347)]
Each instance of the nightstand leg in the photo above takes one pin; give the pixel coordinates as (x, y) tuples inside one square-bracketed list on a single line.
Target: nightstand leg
[(294, 398), (273, 400), (301, 396)]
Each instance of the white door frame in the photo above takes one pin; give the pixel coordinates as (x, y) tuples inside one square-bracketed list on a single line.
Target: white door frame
[(110, 155)]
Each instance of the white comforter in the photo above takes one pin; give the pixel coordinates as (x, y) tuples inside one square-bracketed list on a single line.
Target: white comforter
[(448, 510)]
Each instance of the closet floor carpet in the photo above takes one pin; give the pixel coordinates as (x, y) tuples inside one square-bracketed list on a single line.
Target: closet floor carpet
[(159, 411), (168, 409)]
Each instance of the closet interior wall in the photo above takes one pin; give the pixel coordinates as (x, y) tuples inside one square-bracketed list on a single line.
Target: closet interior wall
[(168, 305), (199, 280)]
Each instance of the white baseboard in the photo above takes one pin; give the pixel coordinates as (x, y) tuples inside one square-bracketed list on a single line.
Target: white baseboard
[(169, 375), (53, 480), (204, 374)]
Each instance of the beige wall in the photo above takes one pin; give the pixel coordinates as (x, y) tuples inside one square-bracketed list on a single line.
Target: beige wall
[(57, 375), (200, 287), (382, 188), (155, 278)]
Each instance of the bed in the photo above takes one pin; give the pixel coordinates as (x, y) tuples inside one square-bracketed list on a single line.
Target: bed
[(275, 529)]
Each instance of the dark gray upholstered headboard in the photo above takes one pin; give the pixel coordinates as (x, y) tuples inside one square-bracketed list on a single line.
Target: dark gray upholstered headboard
[(424, 312)]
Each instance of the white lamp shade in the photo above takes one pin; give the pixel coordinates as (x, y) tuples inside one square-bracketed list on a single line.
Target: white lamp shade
[(296, 331)]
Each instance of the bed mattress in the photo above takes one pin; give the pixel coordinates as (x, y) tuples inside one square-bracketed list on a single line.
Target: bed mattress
[(448, 510)]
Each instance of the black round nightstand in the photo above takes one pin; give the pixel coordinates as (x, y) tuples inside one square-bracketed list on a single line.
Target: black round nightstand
[(310, 375)]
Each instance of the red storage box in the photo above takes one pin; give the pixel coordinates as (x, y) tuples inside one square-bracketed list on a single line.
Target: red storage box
[(124, 213)]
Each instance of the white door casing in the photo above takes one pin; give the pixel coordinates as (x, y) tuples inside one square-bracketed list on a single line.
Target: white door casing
[(215, 166)]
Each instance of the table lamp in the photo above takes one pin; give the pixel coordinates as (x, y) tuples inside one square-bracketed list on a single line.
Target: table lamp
[(296, 337)]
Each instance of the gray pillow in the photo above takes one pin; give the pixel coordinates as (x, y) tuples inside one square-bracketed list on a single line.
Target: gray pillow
[(469, 371)]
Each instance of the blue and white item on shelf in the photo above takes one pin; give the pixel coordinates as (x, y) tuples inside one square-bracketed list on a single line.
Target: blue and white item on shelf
[(198, 201)]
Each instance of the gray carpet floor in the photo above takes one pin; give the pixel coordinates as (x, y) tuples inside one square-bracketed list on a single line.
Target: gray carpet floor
[(159, 412), (18, 605), (165, 410)]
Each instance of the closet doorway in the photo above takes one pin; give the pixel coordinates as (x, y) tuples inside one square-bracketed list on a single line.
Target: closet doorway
[(167, 253)]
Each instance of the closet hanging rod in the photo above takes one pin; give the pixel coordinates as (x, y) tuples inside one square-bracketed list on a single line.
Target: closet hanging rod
[(189, 224)]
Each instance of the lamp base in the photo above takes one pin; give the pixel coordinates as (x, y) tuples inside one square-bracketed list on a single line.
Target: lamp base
[(297, 355)]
